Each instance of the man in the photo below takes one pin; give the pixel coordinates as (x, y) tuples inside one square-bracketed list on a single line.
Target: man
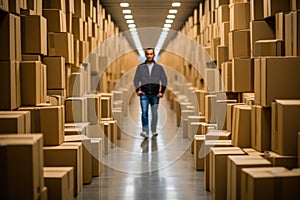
[(150, 82)]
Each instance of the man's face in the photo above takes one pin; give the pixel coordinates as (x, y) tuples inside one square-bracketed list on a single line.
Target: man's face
[(150, 55)]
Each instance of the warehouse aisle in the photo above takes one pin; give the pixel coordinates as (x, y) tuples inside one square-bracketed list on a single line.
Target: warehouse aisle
[(157, 168)]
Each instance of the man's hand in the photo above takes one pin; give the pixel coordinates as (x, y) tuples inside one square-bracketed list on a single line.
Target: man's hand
[(140, 93), (160, 95)]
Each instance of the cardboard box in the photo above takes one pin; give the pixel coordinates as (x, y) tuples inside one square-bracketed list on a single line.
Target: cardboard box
[(70, 6), (252, 152), (241, 126), (76, 85), (256, 10), (34, 34), (280, 26), (285, 126), (31, 83), (66, 155), (218, 135), (86, 154), (76, 109), (214, 43), (106, 136), (55, 4), (223, 13), (295, 32), (48, 120), (288, 32), (278, 181), (93, 109), (69, 23), (202, 94), (224, 30), (212, 77), (219, 169), (97, 166), (61, 44), (210, 108), (105, 107), (242, 75), (267, 72), (260, 30), (295, 5), (198, 144), (79, 9), (77, 28), (278, 160), (222, 55), (21, 166), (4, 5), (239, 44), (205, 153), (239, 16), (271, 7), (235, 164), (268, 48), (17, 35), (192, 129), (226, 69), (82, 127), (221, 2), (55, 72), (13, 123), (298, 150), (10, 85), (229, 115), (8, 40), (74, 131), (222, 116), (260, 128), (59, 182), (17, 115), (56, 20)]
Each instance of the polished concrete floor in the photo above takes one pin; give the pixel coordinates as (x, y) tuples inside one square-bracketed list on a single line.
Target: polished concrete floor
[(157, 168)]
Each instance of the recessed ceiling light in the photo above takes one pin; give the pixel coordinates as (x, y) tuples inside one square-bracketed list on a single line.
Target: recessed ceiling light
[(169, 21), (176, 4), (130, 21), (171, 16), (126, 11), (165, 29), (173, 11), (124, 5), (128, 17), (167, 25), (131, 25)]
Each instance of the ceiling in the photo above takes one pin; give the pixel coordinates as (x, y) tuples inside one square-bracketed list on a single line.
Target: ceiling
[(150, 13)]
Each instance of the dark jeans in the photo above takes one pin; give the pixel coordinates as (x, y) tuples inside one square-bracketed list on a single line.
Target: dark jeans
[(146, 100)]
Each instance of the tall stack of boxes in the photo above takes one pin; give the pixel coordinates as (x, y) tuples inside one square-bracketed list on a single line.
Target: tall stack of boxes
[(247, 95), (254, 46), (49, 104)]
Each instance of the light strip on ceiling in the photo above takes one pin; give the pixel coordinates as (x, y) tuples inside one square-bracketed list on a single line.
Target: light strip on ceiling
[(176, 4), (124, 5), (132, 28), (137, 42), (128, 16), (173, 11), (127, 11), (171, 16), (167, 26)]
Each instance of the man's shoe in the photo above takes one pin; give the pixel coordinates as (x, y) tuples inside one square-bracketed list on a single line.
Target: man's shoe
[(155, 133), (144, 134)]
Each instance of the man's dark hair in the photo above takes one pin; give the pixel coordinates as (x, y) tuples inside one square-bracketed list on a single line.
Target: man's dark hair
[(149, 48)]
